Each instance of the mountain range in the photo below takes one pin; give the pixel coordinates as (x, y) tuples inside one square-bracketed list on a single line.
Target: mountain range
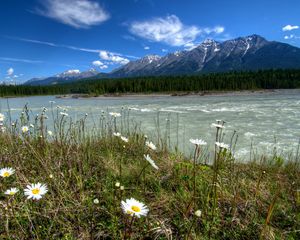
[(244, 53)]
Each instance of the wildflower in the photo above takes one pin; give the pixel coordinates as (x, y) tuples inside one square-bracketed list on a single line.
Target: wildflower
[(96, 201), (148, 158), (64, 114), (6, 172), (222, 145), (134, 208), (11, 191), (35, 191), (198, 142), (50, 133), (124, 139), (1, 117), (25, 129), (117, 134), (150, 145), (115, 114), (50, 176), (218, 126), (117, 184), (31, 125), (122, 188), (198, 213)]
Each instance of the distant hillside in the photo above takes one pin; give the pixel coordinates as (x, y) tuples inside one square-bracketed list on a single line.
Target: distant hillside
[(65, 77), (201, 83)]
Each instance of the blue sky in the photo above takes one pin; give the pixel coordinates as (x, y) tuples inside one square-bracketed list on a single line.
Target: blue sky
[(41, 38)]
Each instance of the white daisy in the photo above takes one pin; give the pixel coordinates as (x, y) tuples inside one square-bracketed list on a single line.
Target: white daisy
[(64, 114), (150, 145), (11, 191), (124, 139), (1, 117), (35, 191), (198, 142), (2, 129), (217, 125), (148, 158), (50, 133), (134, 207), (198, 213), (117, 184), (117, 134), (115, 114), (6, 172), (25, 129), (222, 145)]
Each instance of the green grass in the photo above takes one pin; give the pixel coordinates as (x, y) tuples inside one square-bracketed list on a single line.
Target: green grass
[(255, 200)]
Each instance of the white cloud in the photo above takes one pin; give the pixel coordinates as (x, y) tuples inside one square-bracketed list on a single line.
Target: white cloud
[(291, 36), (164, 50), (190, 46), (216, 29), (76, 13), (146, 48), (109, 56), (10, 71), (103, 67), (51, 44), (289, 28), (99, 64), (170, 30), (20, 60)]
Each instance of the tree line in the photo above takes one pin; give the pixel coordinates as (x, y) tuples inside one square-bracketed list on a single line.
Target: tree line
[(231, 81)]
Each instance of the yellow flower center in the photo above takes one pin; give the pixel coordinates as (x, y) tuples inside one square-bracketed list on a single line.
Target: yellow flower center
[(35, 191), (11, 193), (6, 174), (135, 209)]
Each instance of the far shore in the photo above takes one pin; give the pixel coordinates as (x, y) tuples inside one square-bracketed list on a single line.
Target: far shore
[(163, 94), (174, 94)]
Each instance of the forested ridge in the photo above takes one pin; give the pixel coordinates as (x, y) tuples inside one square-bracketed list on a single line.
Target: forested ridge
[(231, 81)]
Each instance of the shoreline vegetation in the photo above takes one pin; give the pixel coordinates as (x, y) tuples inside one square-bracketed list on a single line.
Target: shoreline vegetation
[(117, 183), (176, 85), (173, 94)]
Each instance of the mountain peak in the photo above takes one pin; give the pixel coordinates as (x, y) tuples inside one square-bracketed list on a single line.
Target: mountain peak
[(150, 58), (70, 72), (209, 41)]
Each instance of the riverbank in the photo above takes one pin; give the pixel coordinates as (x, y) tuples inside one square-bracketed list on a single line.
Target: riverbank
[(87, 178), (174, 94)]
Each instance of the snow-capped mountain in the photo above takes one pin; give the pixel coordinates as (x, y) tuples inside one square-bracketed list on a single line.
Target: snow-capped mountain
[(138, 67), (64, 77), (244, 53)]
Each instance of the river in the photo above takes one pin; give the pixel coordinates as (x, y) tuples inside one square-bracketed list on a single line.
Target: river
[(267, 120)]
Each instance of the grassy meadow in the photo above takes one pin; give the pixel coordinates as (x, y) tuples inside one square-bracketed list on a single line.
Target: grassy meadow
[(88, 178)]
